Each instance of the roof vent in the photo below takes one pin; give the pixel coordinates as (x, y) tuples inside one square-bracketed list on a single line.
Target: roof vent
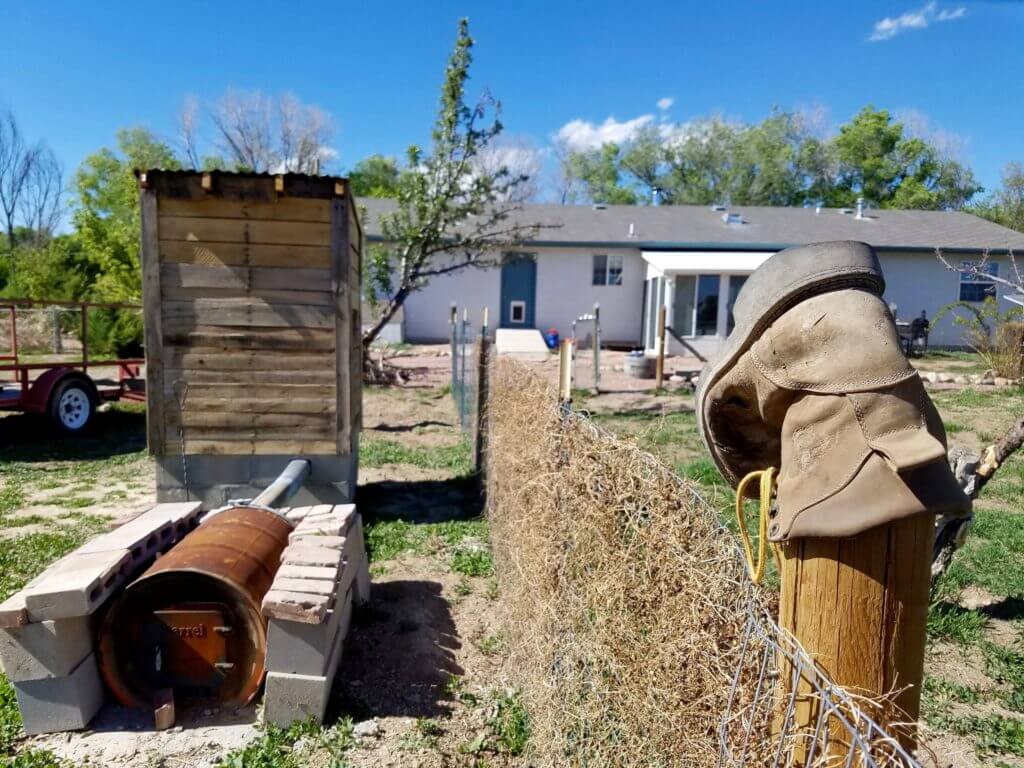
[(732, 219), (718, 207), (599, 206), (846, 211), (632, 230), (860, 207)]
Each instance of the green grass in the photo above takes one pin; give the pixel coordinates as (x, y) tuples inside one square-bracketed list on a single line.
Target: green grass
[(464, 543), (23, 557), (954, 624), (273, 748), (374, 452), (510, 724)]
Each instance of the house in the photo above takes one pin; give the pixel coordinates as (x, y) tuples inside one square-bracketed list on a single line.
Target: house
[(693, 260)]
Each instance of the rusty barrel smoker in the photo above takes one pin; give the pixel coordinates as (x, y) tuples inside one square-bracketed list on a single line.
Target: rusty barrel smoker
[(192, 622)]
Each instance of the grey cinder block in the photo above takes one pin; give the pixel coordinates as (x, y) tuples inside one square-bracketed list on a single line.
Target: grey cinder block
[(61, 703), (45, 649), (297, 648), (77, 584), (290, 698)]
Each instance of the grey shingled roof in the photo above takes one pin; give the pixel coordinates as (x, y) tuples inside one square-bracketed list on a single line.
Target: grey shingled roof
[(763, 228)]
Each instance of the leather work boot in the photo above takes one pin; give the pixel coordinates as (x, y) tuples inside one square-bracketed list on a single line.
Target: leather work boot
[(813, 381)]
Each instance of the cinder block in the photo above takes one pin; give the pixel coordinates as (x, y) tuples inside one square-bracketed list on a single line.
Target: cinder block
[(289, 698), (61, 703), (76, 585), (305, 649), (45, 649), (362, 585), (13, 612)]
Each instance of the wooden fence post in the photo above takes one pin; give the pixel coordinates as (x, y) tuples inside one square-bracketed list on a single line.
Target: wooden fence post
[(452, 320), (597, 348), (565, 372), (659, 370), (859, 606)]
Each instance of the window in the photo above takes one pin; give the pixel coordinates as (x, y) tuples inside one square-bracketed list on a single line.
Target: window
[(682, 304), (707, 304), (607, 270), (517, 312), (977, 287)]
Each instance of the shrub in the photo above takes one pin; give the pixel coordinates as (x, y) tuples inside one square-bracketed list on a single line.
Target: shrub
[(995, 335)]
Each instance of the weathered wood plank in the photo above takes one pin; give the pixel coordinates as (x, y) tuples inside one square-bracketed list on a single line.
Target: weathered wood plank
[(184, 334), (153, 322), (245, 254), (246, 312), (262, 447), (282, 209), (201, 230), (281, 405), (250, 421), (245, 391), (256, 379), (270, 296), (340, 260), (200, 359), (246, 279)]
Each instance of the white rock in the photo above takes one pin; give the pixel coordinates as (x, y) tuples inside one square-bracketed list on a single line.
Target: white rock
[(367, 729)]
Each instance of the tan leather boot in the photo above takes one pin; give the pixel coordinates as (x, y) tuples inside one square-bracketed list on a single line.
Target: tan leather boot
[(813, 381)]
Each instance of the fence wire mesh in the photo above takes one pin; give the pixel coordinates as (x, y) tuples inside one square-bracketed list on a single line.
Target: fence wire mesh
[(811, 720), (464, 373)]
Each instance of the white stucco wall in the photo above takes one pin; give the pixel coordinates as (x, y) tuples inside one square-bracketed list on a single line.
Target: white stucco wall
[(427, 311), (565, 291), (916, 281)]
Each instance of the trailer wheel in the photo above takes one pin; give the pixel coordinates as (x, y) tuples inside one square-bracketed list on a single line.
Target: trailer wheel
[(72, 406)]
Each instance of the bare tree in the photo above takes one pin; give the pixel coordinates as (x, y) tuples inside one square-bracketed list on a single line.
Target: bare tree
[(304, 133), (974, 471), (16, 161), (188, 131), (518, 157), (41, 201), (257, 134)]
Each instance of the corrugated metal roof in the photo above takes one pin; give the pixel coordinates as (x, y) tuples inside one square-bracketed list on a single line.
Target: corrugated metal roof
[(762, 228)]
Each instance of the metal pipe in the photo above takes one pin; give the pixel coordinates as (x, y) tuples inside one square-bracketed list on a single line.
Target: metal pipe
[(286, 485)]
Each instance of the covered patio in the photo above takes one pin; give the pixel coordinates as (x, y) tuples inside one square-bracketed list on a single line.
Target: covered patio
[(698, 290)]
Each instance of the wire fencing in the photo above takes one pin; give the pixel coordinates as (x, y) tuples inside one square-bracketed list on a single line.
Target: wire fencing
[(464, 374), (636, 634)]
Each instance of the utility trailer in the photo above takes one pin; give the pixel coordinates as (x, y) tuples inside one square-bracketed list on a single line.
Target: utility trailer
[(66, 388), (251, 289)]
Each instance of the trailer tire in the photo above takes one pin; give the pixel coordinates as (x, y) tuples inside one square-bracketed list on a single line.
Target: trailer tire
[(72, 406)]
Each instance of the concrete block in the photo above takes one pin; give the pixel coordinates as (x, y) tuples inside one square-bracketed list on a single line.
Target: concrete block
[(307, 554), (289, 698), (61, 703), (305, 649), (323, 573), (296, 606), (45, 649), (13, 612), (77, 584), (362, 585)]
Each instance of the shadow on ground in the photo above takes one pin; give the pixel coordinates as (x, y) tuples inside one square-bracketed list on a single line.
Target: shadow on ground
[(32, 437), (421, 501), (400, 654)]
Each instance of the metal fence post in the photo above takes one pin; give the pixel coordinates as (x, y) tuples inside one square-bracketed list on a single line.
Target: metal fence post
[(597, 348), (482, 386), (451, 327)]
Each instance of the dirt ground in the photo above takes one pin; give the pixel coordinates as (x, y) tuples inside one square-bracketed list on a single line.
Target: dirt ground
[(423, 676)]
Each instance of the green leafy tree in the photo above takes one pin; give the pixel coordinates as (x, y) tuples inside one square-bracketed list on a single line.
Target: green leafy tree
[(878, 162), (450, 215), (106, 216), (1006, 205), (599, 174), (375, 176)]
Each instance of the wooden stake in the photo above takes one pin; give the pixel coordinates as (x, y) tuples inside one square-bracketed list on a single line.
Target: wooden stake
[(858, 606), (659, 370), (565, 371), (480, 429)]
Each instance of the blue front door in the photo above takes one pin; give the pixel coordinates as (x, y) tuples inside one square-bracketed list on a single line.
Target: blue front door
[(518, 290)]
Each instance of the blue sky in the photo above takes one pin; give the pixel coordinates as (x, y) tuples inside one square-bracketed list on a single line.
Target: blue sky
[(75, 72)]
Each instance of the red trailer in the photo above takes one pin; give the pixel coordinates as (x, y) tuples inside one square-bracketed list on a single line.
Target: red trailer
[(64, 389)]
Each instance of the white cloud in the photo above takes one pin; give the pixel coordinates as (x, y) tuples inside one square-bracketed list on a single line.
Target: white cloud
[(582, 134), (890, 26), (665, 103)]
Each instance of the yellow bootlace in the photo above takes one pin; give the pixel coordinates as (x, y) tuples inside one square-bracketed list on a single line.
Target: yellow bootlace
[(766, 478)]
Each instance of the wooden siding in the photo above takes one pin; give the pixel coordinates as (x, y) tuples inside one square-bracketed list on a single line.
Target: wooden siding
[(253, 333)]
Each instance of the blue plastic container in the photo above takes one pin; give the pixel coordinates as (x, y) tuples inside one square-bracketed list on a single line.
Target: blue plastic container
[(551, 338)]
